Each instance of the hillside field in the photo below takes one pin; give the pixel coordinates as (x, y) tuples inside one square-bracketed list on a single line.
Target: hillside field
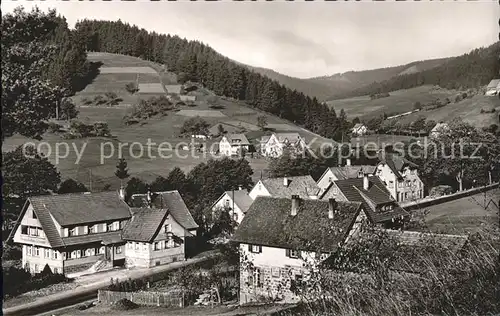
[(159, 129), (403, 101)]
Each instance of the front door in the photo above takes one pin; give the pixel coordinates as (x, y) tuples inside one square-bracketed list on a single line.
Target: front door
[(108, 253)]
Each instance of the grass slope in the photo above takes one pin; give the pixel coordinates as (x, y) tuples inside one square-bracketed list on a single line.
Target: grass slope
[(158, 130)]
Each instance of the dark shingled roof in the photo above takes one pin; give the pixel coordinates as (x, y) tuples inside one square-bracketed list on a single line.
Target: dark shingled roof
[(170, 200), (81, 208), (237, 139), (376, 196), (348, 172), (144, 224), (396, 163), (240, 198), (303, 186), (109, 237), (75, 209), (268, 223)]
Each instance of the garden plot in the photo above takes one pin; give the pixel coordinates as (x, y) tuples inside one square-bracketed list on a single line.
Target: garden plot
[(151, 88), (205, 113), (127, 70)]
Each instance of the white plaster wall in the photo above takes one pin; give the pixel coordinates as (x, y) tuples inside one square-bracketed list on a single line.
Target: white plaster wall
[(258, 190)]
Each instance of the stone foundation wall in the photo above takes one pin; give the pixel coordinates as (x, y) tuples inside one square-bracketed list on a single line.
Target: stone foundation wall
[(78, 267), (167, 259), (136, 262)]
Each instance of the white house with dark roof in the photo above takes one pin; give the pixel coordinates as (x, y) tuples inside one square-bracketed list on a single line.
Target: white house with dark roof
[(382, 209), (346, 172), (88, 232), (233, 144), (278, 236), (441, 128), (401, 178), (493, 87), (237, 202), (274, 145), (303, 186), (359, 129)]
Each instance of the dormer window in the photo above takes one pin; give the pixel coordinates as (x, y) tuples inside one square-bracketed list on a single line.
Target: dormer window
[(110, 227), (72, 231)]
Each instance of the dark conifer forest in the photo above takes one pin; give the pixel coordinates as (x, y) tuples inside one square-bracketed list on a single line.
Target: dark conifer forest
[(204, 65)]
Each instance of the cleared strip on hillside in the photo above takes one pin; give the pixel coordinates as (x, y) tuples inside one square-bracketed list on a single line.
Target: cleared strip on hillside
[(151, 88), (206, 113), (130, 70)]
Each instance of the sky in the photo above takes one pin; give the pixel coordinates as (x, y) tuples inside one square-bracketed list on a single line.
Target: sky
[(306, 39)]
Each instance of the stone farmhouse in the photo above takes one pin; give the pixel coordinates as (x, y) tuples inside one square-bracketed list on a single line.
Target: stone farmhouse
[(400, 176), (88, 232), (233, 144), (278, 236), (273, 146)]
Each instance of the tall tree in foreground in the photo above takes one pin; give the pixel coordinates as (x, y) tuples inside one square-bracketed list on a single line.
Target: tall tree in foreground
[(121, 171), (27, 99)]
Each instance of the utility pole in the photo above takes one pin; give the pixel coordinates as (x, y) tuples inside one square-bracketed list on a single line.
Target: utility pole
[(57, 110), (90, 180)]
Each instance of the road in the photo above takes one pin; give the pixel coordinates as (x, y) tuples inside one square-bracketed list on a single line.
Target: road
[(87, 292)]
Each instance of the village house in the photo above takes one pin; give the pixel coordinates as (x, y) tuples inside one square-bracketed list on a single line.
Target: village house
[(237, 202), (280, 237), (438, 130), (274, 145), (233, 144), (400, 176), (71, 232), (89, 232), (303, 186), (346, 172), (154, 237), (493, 87), (359, 129), (382, 209)]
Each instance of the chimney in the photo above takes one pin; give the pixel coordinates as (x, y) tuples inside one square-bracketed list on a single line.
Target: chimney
[(295, 205), (122, 193), (286, 181), (366, 183), (348, 162), (240, 187), (332, 207)]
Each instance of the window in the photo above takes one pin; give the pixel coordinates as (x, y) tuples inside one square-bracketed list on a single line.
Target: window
[(335, 190), (46, 253), (257, 278), (109, 227), (24, 230), (391, 184), (101, 250), (226, 203), (78, 253), (54, 254), (119, 249), (33, 215), (168, 228), (136, 245), (72, 231), (33, 231), (157, 246), (170, 243), (255, 248), (56, 271), (330, 179), (292, 253), (85, 230), (275, 272), (235, 217), (144, 246), (64, 255), (37, 251), (29, 250)]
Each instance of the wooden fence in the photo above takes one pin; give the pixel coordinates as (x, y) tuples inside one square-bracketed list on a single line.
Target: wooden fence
[(172, 299)]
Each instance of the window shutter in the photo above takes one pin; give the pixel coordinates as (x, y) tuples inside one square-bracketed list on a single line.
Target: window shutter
[(288, 252)]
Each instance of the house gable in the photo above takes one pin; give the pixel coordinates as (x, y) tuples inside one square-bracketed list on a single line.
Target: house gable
[(259, 190), (324, 180), (30, 230), (175, 227)]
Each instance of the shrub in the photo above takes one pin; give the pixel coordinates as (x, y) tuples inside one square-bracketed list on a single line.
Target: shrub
[(54, 127), (101, 129), (131, 87), (18, 281), (86, 101)]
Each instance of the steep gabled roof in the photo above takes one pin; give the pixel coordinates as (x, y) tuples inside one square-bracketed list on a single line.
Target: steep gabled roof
[(291, 137), (237, 139), (377, 195), (144, 224), (240, 198), (348, 172), (268, 223), (396, 163), (82, 208), (170, 200), (74, 209), (493, 83), (303, 186)]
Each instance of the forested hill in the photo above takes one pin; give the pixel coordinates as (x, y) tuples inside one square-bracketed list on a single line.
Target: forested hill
[(470, 70), (223, 76)]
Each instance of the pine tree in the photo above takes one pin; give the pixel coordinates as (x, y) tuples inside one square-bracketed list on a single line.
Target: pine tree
[(121, 170)]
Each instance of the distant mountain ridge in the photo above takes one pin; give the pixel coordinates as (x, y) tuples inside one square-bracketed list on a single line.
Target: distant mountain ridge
[(327, 87)]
